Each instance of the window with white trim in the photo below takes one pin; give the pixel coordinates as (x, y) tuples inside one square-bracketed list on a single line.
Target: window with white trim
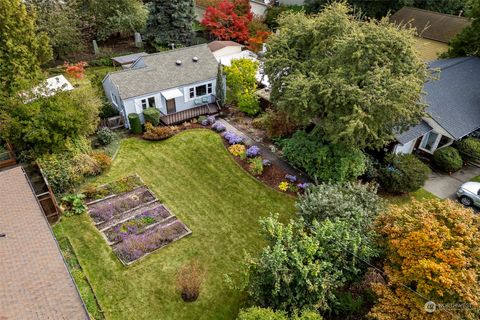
[(192, 92), (209, 88), (114, 99), (200, 90), (144, 103)]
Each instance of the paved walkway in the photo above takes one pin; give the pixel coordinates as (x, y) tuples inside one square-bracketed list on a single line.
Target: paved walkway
[(266, 152), (445, 186)]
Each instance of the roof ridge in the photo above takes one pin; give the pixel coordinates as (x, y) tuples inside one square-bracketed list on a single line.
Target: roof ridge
[(436, 13), (177, 49)]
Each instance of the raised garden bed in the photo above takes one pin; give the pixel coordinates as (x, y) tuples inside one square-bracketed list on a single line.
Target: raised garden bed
[(122, 185), (138, 245), (134, 222)]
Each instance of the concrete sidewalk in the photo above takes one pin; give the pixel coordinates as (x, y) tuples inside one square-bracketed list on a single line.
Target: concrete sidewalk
[(445, 186)]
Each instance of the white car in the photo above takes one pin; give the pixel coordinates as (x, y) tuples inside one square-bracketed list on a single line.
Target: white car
[(469, 194)]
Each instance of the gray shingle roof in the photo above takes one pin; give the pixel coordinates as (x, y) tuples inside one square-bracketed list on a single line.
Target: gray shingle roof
[(431, 25), (414, 132), (159, 71), (129, 58), (453, 98)]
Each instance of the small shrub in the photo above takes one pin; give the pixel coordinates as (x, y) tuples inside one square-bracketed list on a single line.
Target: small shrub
[(204, 122), (158, 133), (284, 186), (291, 178), (73, 204), (403, 173), (448, 159), (238, 150), (201, 118), (105, 136), (266, 163), (249, 103), (275, 123), (253, 151), (211, 120), (218, 127), (189, 281), (469, 148), (59, 172), (135, 124), (103, 160), (108, 111), (233, 138), (152, 115), (256, 166), (86, 165)]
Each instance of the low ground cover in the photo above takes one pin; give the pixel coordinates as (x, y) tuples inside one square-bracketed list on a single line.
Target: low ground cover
[(194, 176)]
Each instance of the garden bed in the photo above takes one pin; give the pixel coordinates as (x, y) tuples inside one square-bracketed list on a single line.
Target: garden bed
[(93, 194), (133, 222)]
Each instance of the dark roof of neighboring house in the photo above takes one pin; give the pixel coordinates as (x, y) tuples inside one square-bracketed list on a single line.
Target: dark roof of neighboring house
[(217, 45), (414, 132), (35, 281), (129, 58), (431, 25), (453, 98), (159, 71)]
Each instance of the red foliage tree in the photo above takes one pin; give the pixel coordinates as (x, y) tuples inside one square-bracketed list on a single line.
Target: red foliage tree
[(255, 43), (229, 21), (75, 70)]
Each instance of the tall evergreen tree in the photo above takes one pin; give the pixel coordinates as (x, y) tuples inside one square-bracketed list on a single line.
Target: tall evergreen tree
[(220, 86), (22, 48), (170, 21)]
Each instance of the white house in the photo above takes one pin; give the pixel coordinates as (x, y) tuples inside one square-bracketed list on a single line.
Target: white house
[(453, 107), (180, 83)]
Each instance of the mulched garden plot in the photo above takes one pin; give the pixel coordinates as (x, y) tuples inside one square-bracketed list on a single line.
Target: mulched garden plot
[(137, 246), (103, 211), (150, 216), (134, 222), (122, 185)]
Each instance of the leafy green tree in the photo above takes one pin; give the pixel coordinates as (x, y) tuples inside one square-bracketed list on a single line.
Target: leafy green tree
[(47, 124), (22, 49), (170, 22), (242, 82), (360, 81), (257, 313), (104, 18), (301, 268), (58, 19), (467, 42)]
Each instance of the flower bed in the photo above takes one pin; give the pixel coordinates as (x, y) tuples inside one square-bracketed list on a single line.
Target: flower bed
[(134, 222), (105, 210), (136, 246), (137, 223), (119, 186)]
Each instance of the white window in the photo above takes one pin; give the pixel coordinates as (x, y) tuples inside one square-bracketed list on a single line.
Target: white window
[(144, 104), (114, 99), (200, 91), (429, 141)]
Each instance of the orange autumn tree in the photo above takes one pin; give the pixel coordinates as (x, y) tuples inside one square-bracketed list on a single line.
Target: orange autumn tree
[(75, 70), (432, 254)]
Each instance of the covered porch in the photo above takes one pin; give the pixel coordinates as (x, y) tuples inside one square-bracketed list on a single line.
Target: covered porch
[(182, 116)]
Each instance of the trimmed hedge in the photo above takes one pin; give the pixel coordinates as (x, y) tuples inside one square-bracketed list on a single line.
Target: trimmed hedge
[(403, 173), (135, 124), (448, 159), (152, 115), (469, 148)]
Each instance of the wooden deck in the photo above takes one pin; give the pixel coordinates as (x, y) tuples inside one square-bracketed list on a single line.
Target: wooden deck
[(182, 116)]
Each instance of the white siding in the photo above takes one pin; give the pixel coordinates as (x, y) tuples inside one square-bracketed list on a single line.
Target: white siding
[(404, 148), (227, 51)]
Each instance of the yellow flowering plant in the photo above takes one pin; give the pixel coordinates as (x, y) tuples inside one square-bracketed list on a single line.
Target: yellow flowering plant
[(237, 150), (283, 186)]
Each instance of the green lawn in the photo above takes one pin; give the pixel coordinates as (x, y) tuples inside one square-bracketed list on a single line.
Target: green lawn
[(193, 174), (420, 194), (476, 179)]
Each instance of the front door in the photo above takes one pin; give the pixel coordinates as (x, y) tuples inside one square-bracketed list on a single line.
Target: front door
[(171, 106)]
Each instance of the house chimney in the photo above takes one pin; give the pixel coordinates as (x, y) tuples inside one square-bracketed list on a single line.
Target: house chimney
[(178, 62), (195, 59)]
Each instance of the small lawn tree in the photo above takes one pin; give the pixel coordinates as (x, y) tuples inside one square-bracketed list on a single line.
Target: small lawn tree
[(170, 22), (360, 81), (432, 254), (242, 83), (228, 21)]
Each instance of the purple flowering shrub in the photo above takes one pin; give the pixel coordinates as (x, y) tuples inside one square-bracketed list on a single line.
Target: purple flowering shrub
[(211, 120), (266, 163), (135, 246), (105, 210), (253, 151), (291, 178), (304, 186), (218, 127), (137, 224), (233, 138), (204, 122)]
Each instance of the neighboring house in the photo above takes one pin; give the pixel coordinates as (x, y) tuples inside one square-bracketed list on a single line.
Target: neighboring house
[(434, 29), (226, 51), (35, 282), (453, 107), (180, 83), (49, 88)]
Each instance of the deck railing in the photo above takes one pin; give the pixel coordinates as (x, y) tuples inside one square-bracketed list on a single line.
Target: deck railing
[(181, 116)]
